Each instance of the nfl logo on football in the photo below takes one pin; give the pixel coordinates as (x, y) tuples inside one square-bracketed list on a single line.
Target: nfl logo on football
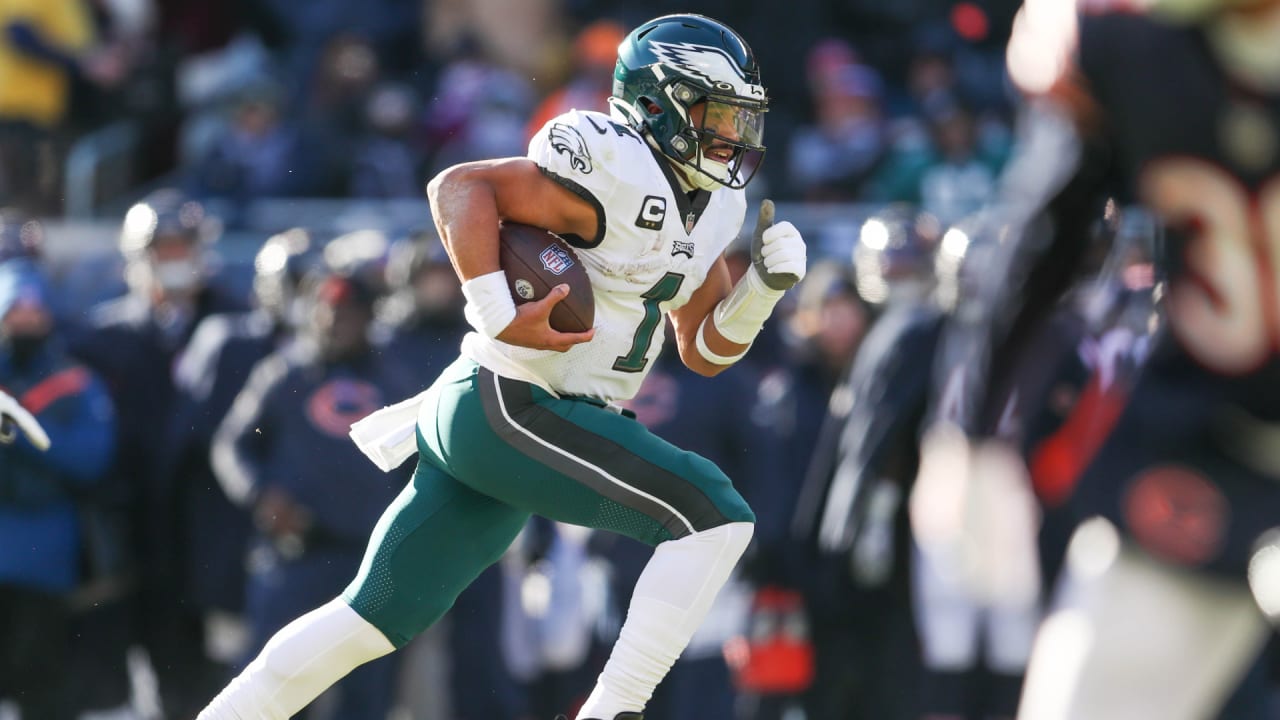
[(555, 260)]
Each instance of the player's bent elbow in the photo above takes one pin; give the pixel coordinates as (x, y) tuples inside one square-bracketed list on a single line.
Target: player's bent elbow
[(432, 187), (449, 176)]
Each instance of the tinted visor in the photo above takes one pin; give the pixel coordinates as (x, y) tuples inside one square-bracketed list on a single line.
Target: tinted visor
[(734, 121)]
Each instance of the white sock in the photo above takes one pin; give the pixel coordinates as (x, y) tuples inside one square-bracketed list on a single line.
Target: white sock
[(671, 598), (301, 661)]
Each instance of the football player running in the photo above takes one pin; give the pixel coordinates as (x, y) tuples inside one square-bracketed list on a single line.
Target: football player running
[(524, 422), (1175, 106)]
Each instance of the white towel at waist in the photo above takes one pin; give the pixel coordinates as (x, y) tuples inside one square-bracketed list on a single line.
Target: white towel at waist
[(387, 436)]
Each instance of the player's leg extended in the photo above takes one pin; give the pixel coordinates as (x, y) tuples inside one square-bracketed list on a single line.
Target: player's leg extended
[(430, 544), (573, 461), (947, 619), (1133, 638)]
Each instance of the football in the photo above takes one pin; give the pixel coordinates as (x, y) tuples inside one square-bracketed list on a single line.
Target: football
[(536, 260)]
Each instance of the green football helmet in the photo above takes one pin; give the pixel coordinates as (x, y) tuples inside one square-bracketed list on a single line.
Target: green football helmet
[(670, 64)]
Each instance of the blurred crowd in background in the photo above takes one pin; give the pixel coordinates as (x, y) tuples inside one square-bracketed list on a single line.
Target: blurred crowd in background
[(202, 490), (238, 100)]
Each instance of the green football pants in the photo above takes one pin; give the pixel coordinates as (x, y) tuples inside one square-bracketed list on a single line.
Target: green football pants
[(492, 451)]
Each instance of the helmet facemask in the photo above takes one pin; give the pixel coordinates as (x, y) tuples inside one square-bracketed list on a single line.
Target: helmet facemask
[(721, 143)]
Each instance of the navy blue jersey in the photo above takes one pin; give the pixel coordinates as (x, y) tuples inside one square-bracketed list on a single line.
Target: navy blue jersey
[(209, 373), (215, 364), (1149, 112), (133, 346), (1128, 107), (427, 345), (289, 427), (888, 387)]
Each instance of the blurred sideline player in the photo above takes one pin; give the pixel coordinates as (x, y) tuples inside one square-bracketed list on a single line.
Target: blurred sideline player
[(651, 195), (973, 650), (208, 374), (1069, 376), (851, 504), (1174, 106), (132, 342)]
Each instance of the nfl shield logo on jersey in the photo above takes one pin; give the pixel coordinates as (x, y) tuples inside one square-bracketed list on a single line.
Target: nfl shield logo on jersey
[(555, 260)]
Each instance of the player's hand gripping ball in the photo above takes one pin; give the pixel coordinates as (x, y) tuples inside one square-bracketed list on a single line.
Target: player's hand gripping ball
[(536, 260)]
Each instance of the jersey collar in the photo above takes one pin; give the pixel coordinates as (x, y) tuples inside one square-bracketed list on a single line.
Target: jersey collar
[(690, 203)]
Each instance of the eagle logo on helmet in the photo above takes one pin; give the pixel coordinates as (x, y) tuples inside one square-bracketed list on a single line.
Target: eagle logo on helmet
[(566, 140), (709, 64)]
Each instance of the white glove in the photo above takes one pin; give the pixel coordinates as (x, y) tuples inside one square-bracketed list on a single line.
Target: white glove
[(13, 415), (777, 251)]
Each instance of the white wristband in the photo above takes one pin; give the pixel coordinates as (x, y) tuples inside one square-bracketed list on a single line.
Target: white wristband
[(490, 308), (710, 355), (742, 313)]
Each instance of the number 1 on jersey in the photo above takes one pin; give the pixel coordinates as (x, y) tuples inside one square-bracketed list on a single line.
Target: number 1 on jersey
[(662, 291)]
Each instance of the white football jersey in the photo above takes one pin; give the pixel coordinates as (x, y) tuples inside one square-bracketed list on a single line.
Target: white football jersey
[(654, 249)]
